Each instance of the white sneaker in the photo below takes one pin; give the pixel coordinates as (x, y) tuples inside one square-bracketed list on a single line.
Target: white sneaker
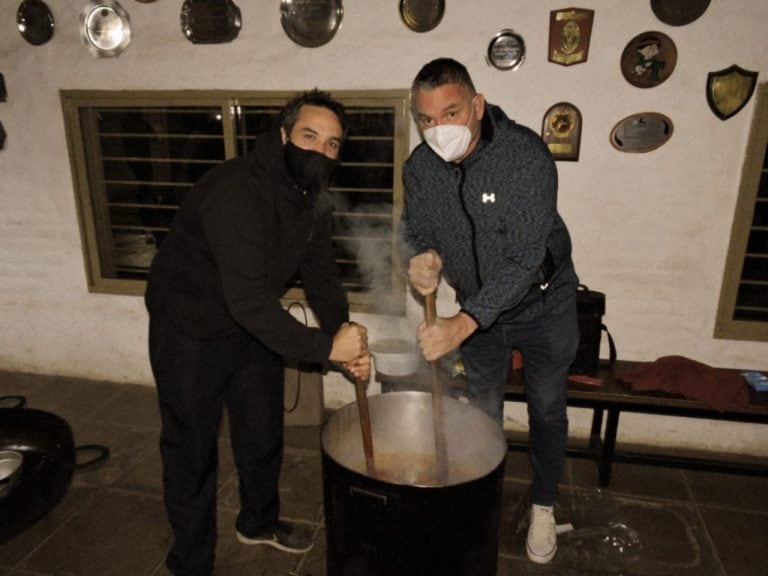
[(541, 543)]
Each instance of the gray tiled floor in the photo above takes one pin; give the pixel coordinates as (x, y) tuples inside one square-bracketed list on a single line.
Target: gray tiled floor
[(111, 522)]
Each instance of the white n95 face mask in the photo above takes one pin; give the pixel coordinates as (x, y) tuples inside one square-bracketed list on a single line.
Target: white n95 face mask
[(449, 141)]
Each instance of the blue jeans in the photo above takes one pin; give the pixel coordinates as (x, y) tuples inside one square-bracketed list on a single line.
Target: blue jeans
[(548, 345)]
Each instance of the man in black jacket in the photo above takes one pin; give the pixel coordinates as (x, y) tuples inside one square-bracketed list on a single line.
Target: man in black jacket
[(219, 334), (481, 210)]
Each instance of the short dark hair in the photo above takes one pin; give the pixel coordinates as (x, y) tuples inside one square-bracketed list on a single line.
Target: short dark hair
[(442, 71), (290, 113)]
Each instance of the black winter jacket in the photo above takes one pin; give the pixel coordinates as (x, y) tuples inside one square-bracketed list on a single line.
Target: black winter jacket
[(493, 219), (242, 232)]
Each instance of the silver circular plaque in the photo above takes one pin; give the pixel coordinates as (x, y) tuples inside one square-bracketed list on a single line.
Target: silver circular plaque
[(105, 27), (506, 51)]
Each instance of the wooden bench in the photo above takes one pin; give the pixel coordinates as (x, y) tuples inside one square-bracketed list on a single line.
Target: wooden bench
[(613, 397), (607, 401)]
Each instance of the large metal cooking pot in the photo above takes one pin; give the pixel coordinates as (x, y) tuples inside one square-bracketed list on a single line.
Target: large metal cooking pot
[(397, 520), (46, 445), (10, 470)]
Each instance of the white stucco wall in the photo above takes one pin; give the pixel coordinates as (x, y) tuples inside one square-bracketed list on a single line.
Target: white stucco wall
[(650, 230)]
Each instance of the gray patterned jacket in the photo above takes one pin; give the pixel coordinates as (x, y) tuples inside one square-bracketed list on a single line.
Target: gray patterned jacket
[(493, 219)]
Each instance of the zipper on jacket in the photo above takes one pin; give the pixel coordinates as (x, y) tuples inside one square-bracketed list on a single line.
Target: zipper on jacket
[(460, 170)]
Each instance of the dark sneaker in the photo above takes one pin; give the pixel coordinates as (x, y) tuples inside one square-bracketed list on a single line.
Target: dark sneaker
[(286, 536)]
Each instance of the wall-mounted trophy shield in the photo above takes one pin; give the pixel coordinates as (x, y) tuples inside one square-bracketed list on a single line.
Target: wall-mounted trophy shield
[(641, 132), (729, 90), (569, 33), (561, 131)]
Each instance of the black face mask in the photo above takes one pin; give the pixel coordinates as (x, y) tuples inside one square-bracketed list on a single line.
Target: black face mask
[(311, 169)]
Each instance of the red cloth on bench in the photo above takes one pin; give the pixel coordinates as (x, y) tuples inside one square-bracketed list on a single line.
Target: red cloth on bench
[(720, 388)]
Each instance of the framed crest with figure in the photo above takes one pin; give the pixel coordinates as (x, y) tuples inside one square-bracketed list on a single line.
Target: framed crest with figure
[(569, 34)]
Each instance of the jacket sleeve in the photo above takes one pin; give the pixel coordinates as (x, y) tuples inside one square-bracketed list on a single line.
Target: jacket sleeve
[(320, 277), (414, 235), (238, 246)]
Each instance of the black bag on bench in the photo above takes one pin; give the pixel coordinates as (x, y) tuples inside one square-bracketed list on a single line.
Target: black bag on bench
[(590, 306)]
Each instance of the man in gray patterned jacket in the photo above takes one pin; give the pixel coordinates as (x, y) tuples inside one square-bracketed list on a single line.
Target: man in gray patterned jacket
[(481, 210)]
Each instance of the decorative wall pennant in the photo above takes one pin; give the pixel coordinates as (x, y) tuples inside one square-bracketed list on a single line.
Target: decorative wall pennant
[(569, 33), (729, 90)]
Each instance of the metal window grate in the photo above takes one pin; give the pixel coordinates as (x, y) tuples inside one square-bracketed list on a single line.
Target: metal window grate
[(135, 157)]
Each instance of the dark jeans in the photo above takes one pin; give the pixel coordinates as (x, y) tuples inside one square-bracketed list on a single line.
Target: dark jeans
[(195, 380), (548, 346)]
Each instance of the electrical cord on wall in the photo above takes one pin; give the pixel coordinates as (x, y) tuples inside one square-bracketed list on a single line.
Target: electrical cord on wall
[(295, 403)]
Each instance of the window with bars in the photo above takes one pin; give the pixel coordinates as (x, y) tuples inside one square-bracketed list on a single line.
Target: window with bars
[(135, 154), (743, 309)]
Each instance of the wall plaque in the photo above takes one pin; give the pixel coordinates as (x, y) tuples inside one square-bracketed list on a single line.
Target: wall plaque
[(561, 131), (506, 50), (569, 33), (641, 132), (649, 59), (729, 90)]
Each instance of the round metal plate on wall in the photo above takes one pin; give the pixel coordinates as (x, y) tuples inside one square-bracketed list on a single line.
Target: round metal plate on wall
[(210, 21), (105, 28), (422, 15), (506, 50), (679, 12), (311, 23), (35, 22)]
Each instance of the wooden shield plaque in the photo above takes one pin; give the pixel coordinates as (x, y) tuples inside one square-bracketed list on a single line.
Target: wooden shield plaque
[(729, 90), (569, 33)]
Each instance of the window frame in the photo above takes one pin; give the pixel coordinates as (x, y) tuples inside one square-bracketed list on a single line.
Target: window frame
[(726, 327), (228, 101)]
